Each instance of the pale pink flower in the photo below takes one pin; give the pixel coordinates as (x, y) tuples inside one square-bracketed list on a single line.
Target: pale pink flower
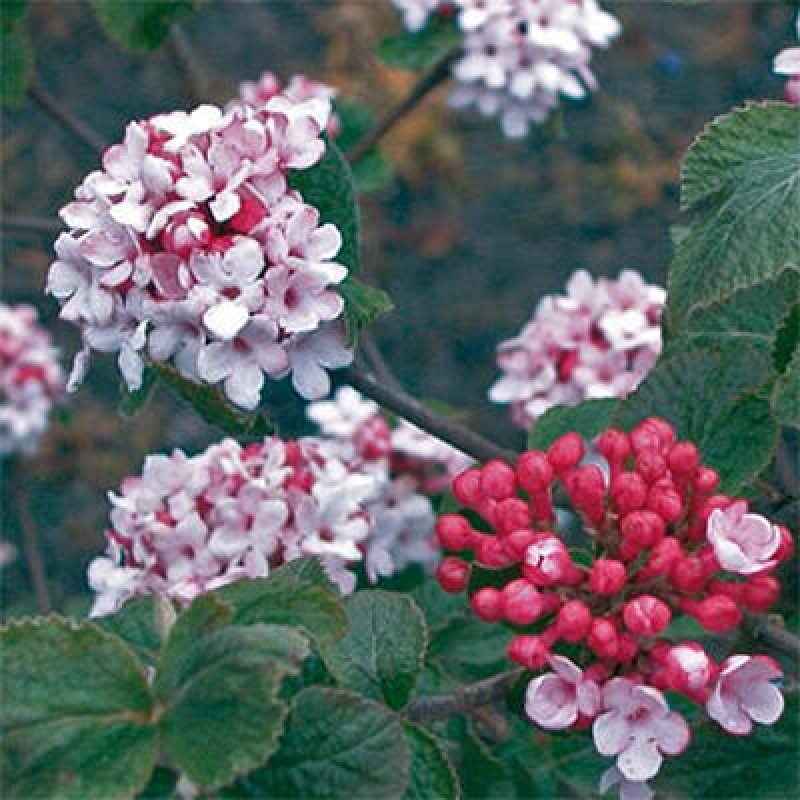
[(556, 699), (31, 379), (598, 340), (637, 727), (787, 62), (743, 693), (416, 12), (628, 790), (190, 246), (744, 543)]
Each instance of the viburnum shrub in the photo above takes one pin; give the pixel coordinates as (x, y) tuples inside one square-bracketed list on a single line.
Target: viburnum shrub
[(366, 597), (592, 614), (31, 379)]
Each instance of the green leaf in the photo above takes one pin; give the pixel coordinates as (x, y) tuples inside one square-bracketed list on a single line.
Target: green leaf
[(308, 568), (787, 339), (161, 786), (283, 599), (337, 746), (77, 710), (786, 398), (134, 623), (382, 653), (468, 649), (362, 304), (420, 49), (131, 403), (745, 171), (749, 317), (373, 171), (717, 765), (16, 65), (432, 774), (588, 419), (223, 716), (212, 407), (328, 186), (11, 12), (141, 25), (713, 398)]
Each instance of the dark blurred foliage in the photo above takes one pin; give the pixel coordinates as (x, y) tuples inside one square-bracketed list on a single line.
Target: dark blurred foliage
[(471, 232)]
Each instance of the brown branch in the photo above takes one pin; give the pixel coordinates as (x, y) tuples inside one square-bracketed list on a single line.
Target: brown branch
[(463, 699), (437, 75), (761, 629), (23, 224), (376, 361), (449, 430), (83, 132)]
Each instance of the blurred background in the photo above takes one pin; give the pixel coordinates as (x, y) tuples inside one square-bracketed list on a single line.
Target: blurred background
[(470, 232)]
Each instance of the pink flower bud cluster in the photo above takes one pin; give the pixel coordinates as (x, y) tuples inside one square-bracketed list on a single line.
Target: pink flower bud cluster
[(598, 340), (31, 379), (520, 56), (299, 88), (188, 525), (787, 62), (409, 464), (190, 247), (660, 543)]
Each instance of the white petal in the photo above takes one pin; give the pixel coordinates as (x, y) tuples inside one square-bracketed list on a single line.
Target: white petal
[(226, 319)]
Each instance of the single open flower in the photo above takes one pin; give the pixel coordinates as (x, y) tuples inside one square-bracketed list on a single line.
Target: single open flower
[(743, 543), (556, 699)]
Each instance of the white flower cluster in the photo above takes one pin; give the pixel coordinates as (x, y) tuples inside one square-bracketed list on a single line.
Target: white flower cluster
[(31, 379), (408, 463), (189, 525), (599, 340), (190, 247), (520, 56)]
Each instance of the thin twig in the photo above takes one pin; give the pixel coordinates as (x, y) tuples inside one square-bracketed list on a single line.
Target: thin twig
[(183, 54), (377, 362), (11, 223), (83, 132), (463, 699), (408, 407), (760, 628), (437, 75), (30, 542)]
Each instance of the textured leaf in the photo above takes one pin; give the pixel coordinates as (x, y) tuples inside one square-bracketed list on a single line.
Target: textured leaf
[(328, 186), (308, 568), (212, 406), (16, 65), (749, 317), (134, 623), (588, 419), (337, 746), (141, 25), (382, 653), (362, 304), (786, 399), (432, 774), (745, 169), (224, 716), (717, 765), (76, 710), (283, 599), (711, 396), (373, 171), (420, 49), (787, 339), (468, 649)]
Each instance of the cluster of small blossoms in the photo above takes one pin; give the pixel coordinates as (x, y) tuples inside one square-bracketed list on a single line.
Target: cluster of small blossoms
[(189, 247), (598, 340), (520, 56), (31, 379), (299, 88), (787, 62), (409, 464), (188, 525), (659, 542)]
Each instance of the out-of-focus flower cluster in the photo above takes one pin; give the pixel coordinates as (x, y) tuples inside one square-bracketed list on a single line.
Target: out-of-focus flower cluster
[(787, 62), (188, 525), (660, 542), (598, 340), (31, 379), (190, 247), (300, 88), (409, 464), (520, 56)]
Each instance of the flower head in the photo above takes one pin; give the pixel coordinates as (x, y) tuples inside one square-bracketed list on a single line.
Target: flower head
[(189, 246), (31, 379), (743, 543), (598, 340), (556, 699)]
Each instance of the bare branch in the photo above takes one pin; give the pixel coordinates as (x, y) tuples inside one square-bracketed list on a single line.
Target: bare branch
[(11, 223), (83, 132), (760, 628)]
